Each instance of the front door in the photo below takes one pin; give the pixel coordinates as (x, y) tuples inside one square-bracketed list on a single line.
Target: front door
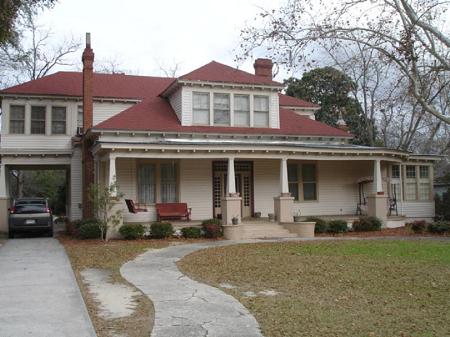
[(243, 187)]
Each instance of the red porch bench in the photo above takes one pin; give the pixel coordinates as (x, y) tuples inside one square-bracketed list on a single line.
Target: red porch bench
[(174, 210)]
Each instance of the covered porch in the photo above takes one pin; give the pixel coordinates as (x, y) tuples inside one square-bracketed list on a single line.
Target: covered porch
[(240, 184)]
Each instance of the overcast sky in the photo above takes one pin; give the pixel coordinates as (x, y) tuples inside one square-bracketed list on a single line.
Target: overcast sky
[(145, 35)]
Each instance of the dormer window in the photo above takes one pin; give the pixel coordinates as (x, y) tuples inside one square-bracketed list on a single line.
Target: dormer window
[(241, 110), (200, 108), (221, 109), (261, 113)]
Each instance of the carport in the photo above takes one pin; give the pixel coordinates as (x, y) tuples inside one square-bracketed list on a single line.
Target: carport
[(46, 160)]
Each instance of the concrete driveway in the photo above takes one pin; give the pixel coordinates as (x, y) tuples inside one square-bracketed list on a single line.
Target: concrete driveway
[(39, 295)]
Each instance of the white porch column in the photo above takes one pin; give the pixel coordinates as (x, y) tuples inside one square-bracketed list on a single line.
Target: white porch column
[(231, 180), (112, 171), (377, 201), (284, 177), (231, 204), (377, 181), (96, 170), (3, 181), (283, 204), (4, 199)]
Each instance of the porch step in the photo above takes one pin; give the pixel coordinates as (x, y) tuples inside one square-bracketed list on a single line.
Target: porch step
[(266, 231)]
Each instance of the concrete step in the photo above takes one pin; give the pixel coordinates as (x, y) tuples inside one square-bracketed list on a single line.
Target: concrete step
[(256, 231)]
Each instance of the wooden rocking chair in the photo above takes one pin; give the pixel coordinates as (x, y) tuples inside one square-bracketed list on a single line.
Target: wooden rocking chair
[(132, 207)]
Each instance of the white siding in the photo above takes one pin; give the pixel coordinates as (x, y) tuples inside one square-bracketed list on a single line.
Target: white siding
[(105, 110), (418, 209), (196, 187), (336, 184), (76, 185), (176, 101), (126, 181), (266, 179), (102, 111)]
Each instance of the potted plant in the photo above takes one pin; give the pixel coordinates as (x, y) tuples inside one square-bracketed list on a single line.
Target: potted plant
[(235, 220), (257, 215), (297, 216), (271, 217)]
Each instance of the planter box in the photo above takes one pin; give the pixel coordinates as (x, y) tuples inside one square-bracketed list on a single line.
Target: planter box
[(233, 232), (302, 229)]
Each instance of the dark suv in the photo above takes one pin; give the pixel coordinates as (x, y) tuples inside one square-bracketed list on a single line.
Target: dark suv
[(30, 214)]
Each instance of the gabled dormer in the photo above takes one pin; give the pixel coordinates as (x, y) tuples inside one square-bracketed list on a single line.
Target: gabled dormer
[(219, 95)]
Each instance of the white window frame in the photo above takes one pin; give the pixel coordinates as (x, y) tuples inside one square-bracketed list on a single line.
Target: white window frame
[(242, 111), (38, 120), (59, 121), (11, 119), (207, 110), (228, 96), (255, 112)]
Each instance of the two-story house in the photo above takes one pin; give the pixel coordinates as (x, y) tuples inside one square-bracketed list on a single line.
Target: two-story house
[(225, 141)]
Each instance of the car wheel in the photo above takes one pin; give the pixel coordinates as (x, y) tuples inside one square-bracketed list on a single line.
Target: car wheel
[(11, 234), (50, 233)]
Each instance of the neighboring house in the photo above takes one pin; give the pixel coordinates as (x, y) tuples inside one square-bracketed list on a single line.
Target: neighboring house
[(225, 141)]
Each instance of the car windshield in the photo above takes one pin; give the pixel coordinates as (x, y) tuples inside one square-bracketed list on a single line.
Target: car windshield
[(30, 206)]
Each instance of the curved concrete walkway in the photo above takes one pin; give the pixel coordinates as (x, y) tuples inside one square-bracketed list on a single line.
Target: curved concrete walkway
[(184, 307), (39, 295)]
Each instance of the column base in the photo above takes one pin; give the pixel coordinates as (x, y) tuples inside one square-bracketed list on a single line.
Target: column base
[(283, 208), (377, 206), (4, 205), (231, 207)]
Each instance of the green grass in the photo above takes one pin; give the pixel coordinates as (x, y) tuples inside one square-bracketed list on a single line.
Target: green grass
[(346, 288)]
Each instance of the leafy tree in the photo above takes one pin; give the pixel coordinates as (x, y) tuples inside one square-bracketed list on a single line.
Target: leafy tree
[(10, 10), (103, 199), (330, 88)]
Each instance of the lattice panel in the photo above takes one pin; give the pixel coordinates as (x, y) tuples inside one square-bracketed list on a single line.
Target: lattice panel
[(217, 191), (246, 191)]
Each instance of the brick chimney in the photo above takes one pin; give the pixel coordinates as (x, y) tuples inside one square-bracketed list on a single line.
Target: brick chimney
[(88, 73), (88, 160), (263, 67)]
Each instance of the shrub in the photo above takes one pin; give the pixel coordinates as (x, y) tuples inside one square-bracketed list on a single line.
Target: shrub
[(439, 227), (81, 222), (418, 226), (191, 232), (367, 224), (212, 221), (161, 230), (90, 230), (337, 226), (212, 230), (132, 231), (321, 224)]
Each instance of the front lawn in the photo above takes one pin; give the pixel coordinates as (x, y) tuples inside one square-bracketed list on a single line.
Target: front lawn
[(338, 288), (109, 257)]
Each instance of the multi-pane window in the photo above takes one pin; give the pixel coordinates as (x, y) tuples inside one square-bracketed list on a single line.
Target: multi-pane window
[(293, 180), (309, 181), (395, 171), (221, 109), (58, 120), (261, 111), (417, 183), (17, 119), (200, 108), (241, 110), (410, 172), (168, 182), (302, 181), (80, 116), (38, 120), (147, 184), (423, 172)]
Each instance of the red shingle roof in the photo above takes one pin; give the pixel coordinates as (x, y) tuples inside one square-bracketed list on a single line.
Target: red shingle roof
[(290, 101), (218, 72), (156, 114), (105, 85)]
